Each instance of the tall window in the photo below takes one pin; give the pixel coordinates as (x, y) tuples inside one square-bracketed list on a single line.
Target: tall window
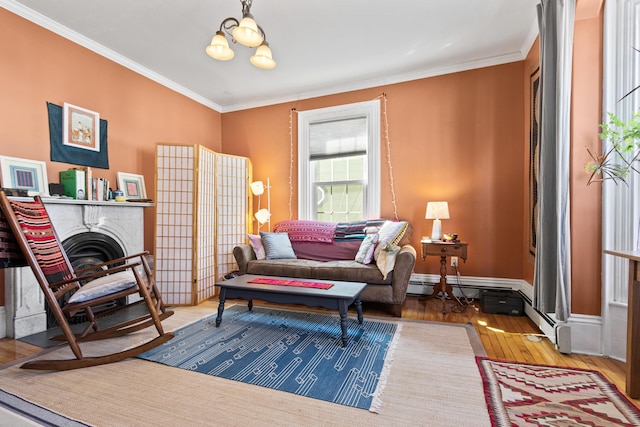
[(621, 203), (339, 162)]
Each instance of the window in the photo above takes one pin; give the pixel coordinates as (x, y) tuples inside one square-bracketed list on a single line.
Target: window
[(339, 162), (621, 203)]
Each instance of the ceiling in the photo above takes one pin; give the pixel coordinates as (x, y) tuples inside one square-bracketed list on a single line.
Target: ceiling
[(321, 47)]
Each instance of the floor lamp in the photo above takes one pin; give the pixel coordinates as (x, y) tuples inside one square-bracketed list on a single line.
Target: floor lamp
[(262, 215)]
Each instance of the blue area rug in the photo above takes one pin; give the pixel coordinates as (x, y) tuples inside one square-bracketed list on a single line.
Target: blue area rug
[(291, 351)]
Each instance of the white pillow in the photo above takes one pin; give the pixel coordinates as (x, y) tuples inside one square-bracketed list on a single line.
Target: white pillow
[(390, 232), (387, 259), (365, 253)]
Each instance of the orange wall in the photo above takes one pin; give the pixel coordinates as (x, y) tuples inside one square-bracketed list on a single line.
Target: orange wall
[(456, 137), (39, 66), (586, 202), (586, 113), (460, 137)]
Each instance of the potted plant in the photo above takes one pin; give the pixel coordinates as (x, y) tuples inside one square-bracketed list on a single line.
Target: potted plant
[(623, 157)]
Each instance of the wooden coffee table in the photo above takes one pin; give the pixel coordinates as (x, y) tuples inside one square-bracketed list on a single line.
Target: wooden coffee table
[(339, 297)]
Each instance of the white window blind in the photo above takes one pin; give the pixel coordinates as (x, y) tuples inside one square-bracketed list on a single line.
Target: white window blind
[(338, 138)]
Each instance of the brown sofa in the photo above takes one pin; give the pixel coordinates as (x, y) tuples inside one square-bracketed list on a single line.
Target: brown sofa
[(392, 290)]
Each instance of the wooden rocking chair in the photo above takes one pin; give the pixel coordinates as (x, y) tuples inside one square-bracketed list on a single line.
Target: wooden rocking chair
[(89, 287)]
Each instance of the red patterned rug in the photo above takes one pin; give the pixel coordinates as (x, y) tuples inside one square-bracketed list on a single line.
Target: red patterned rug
[(537, 395)]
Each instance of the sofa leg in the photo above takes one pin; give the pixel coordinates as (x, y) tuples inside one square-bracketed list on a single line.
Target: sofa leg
[(396, 310)]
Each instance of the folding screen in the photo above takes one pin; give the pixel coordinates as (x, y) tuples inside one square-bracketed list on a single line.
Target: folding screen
[(202, 212)]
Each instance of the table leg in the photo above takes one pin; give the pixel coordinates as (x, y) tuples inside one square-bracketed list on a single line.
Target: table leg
[(342, 308), (250, 305), (223, 295), (358, 305), (443, 287)]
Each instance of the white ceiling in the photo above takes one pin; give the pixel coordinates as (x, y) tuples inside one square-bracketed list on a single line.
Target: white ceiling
[(321, 47)]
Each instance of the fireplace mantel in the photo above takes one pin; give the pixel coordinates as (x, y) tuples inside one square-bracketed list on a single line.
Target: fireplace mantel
[(122, 221)]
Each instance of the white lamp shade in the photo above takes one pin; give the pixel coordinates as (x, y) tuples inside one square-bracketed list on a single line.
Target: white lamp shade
[(437, 210), (257, 188), (219, 48), (246, 33), (263, 216), (263, 58)]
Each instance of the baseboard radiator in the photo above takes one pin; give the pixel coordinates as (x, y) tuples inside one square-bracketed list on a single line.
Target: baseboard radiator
[(558, 332)]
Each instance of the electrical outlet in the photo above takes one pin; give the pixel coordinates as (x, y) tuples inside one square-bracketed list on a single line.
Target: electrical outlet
[(454, 261)]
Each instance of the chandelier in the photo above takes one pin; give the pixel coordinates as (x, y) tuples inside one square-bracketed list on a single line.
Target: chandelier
[(245, 32)]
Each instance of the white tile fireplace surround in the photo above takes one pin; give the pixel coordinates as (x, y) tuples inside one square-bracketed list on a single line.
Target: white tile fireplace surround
[(25, 312)]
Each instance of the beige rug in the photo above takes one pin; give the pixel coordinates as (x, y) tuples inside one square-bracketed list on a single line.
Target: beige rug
[(434, 381)]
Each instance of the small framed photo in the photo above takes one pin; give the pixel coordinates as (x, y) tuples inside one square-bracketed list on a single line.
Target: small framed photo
[(23, 174), (132, 185), (81, 128)]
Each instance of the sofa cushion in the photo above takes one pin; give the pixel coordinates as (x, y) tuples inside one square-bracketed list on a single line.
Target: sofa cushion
[(298, 268), (277, 245), (347, 271)]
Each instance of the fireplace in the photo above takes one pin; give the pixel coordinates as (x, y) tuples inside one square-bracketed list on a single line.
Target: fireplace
[(93, 232), (85, 250)]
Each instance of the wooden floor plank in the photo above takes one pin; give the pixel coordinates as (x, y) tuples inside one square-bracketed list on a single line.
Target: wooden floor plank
[(512, 344)]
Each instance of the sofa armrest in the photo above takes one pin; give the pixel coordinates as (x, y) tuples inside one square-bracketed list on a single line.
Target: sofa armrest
[(405, 261), (243, 254)]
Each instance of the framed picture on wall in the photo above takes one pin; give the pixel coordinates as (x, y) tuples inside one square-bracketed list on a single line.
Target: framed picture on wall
[(534, 150), (80, 128), (132, 185), (24, 174)]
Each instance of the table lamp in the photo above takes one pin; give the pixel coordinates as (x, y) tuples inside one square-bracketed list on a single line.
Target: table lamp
[(437, 211)]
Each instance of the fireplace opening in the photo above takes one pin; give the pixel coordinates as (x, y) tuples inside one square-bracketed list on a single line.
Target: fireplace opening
[(85, 250)]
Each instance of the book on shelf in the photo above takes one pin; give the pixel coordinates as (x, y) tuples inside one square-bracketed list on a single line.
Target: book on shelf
[(89, 182), (74, 183), (99, 189)]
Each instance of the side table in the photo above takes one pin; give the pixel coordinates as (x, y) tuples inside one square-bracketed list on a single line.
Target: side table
[(632, 385), (444, 250)]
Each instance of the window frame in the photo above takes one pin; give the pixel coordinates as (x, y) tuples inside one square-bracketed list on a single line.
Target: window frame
[(368, 109)]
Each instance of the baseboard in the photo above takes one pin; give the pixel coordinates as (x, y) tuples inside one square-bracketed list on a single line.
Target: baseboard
[(580, 334), (464, 286)]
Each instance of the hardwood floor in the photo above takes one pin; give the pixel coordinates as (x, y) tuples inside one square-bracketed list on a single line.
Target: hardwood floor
[(504, 337)]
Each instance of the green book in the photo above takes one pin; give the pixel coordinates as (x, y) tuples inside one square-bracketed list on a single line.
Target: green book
[(73, 182)]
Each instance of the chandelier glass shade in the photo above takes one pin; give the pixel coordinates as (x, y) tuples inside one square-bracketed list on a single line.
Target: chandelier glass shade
[(247, 33), (219, 48), (262, 57)]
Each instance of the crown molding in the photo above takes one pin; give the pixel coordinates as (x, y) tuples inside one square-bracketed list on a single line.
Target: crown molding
[(388, 80), (67, 33)]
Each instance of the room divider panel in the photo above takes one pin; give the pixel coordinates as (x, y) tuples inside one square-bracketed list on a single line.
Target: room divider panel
[(203, 209)]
